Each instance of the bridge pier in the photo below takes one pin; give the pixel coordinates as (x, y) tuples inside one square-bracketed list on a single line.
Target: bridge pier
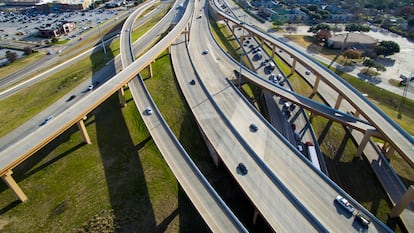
[(364, 141), (338, 101), (390, 152), (273, 50), (150, 70), (8, 179), (255, 214), (121, 94), (405, 201), (84, 132), (316, 85), (293, 66)]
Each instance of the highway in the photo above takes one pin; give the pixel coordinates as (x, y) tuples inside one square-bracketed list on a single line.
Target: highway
[(208, 203), (312, 189), (280, 176)]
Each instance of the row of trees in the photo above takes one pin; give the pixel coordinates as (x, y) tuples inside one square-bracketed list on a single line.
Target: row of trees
[(12, 56)]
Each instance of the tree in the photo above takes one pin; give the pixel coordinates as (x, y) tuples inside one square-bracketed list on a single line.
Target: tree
[(27, 50), (352, 54), (11, 56), (369, 63), (387, 48), (313, 8), (323, 35), (354, 27), (410, 21), (318, 27), (54, 40)]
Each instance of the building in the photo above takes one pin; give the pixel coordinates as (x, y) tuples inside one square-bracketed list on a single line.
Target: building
[(55, 30), (352, 40)]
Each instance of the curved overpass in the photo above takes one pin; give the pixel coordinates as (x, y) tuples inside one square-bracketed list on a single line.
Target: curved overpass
[(208, 203), (300, 183)]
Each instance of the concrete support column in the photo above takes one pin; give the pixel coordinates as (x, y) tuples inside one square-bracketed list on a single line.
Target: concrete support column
[(293, 67), (8, 179), (405, 200), (121, 94), (256, 213), (390, 152), (316, 85), (364, 141), (150, 70), (338, 101), (189, 30), (84, 132)]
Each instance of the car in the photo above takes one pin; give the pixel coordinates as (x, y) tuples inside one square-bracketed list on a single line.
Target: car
[(71, 98), (241, 169), (361, 218), (279, 77), (192, 82), (148, 110), (345, 203), (253, 127), (205, 52), (90, 87), (307, 72), (46, 120), (199, 17)]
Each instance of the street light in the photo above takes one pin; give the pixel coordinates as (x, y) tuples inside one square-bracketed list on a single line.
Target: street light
[(241, 51), (404, 96)]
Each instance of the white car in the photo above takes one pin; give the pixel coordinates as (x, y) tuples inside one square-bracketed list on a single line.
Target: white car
[(148, 111), (90, 87), (344, 203), (205, 52)]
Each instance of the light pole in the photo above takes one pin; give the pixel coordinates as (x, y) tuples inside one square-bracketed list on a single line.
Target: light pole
[(241, 51)]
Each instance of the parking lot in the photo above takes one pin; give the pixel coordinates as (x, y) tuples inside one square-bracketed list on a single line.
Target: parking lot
[(23, 26)]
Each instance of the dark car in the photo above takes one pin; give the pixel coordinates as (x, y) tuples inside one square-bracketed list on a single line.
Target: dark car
[(253, 127), (361, 218), (241, 169), (192, 82), (71, 98)]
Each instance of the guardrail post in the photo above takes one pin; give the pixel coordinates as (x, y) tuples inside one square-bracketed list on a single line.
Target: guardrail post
[(8, 179), (316, 85), (84, 132), (404, 201)]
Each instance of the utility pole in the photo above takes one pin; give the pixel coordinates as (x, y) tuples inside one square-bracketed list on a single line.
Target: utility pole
[(404, 96)]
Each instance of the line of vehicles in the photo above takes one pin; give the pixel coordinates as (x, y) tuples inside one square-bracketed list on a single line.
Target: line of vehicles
[(359, 217)]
